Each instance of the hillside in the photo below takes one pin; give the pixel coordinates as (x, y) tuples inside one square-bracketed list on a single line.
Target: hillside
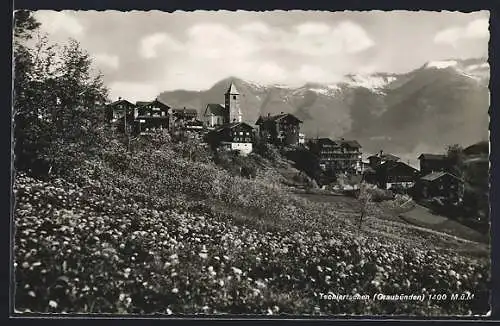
[(184, 236), (440, 103)]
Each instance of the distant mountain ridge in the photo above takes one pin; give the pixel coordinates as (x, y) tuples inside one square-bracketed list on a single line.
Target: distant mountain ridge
[(441, 103)]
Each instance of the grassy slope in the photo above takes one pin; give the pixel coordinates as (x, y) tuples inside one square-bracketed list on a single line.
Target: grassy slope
[(152, 232)]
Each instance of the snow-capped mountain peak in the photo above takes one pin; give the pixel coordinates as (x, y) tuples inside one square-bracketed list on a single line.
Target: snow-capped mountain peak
[(441, 64), (370, 81), (475, 68)]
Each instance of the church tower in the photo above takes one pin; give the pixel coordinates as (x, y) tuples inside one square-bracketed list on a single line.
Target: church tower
[(232, 103)]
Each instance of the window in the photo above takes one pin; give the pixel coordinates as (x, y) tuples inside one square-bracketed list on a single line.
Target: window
[(241, 133), (234, 97)]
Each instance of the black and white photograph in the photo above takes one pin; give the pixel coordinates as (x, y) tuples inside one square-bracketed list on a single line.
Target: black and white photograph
[(265, 164)]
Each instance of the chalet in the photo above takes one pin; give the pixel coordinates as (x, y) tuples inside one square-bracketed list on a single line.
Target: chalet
[(118, 109), (441, 184), (236, 136), (217, 115), (478, 149), (180, 117), (341, 156), (184, 114), (281, 129), (324, 149), (381, 158), (151, 116), (392, 175), (433, 163), (350, 156)]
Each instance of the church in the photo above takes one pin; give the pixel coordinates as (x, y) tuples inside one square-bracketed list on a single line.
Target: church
[(228, 131), (217, 115)]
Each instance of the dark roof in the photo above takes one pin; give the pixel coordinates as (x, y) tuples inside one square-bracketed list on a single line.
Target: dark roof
[(350, 143), (122, 101), (390, 157), (144, 103), (323, 141), (232, 125), (427, 156), (386, 157), (436, 175), (391, 165), (276, 118), (369, 170), (482, 147), (179, 110), (215, 109)]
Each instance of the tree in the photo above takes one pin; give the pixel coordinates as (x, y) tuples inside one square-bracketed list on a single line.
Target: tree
[(365, 201), (57, 96), (456, 157), (24, 25)]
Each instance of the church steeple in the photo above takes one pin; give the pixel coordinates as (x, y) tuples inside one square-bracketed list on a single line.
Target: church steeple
[(232, 90), (232, 103)]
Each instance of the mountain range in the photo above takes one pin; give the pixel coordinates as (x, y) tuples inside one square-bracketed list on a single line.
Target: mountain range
[(439, 104)]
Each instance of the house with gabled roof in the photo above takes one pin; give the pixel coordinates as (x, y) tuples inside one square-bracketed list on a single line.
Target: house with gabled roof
[(393, 175), (337, 156), (381, 158), (434, 163), (181, 117), (235, 136), (151, 116), (478, 149), (441, 184), (118, 109), (184, 113), (281, 129)]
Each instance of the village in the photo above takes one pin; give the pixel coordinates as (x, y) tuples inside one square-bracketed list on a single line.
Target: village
[(221, 127)]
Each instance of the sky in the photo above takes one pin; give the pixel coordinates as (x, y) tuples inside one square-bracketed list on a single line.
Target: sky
[(142, 54)]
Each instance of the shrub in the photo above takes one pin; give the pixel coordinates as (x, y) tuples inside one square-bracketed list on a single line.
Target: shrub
[(378, 195)]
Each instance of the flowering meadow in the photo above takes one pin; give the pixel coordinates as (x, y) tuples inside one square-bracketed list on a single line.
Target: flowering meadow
[(153, 232)]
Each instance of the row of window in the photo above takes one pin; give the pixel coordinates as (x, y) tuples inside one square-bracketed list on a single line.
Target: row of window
[(241, 133), (340, 156), (242, 139), (154, 114), (152, 129)]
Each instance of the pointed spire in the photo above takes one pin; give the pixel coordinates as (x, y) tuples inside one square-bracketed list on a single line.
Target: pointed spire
[(232, 89)]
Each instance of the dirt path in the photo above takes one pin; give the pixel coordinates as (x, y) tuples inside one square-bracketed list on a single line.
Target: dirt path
[(421, 217)]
